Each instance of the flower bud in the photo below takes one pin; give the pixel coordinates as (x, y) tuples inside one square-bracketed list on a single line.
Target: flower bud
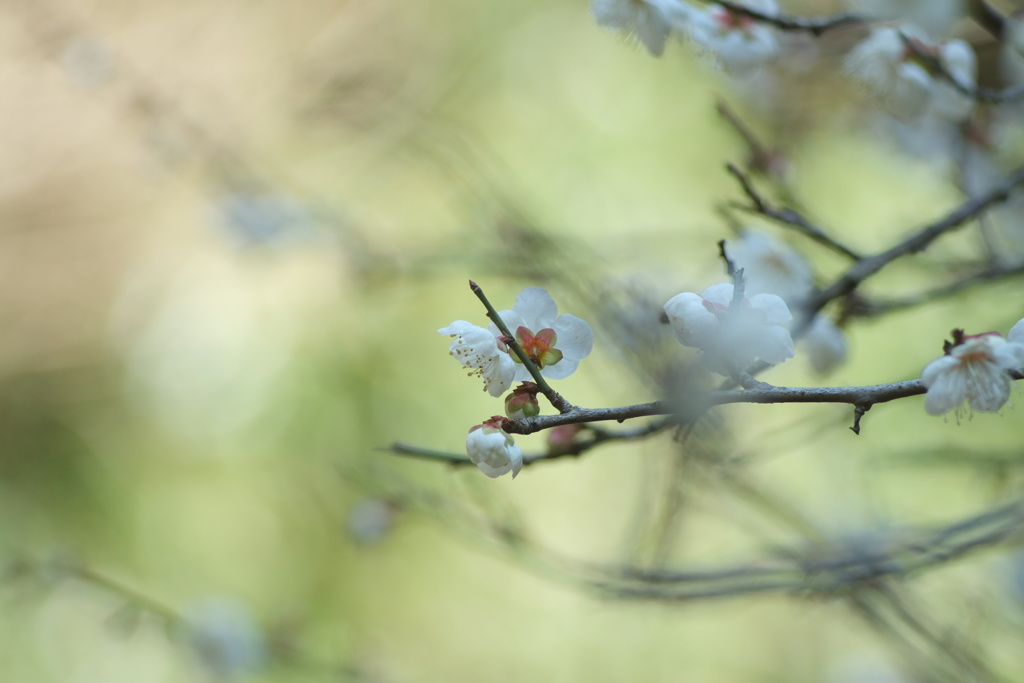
[(522, 402)]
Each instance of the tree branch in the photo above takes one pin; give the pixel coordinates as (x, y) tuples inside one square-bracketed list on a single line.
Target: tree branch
[(918, 241), (788, 217), (813, 25)]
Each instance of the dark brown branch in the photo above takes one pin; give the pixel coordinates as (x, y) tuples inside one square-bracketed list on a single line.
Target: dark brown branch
[(987, 17), (813, 25), (917, 242), (786, 216)]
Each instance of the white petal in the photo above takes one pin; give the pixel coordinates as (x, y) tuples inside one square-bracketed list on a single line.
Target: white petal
[(989, 394), (575, 339), (1010, 356), (947, 391), (825, 344), (938, 367), (775, 309), (561, 369), (773, 345), (1016, 333), (536, 307), (513, 321), (498, 377), (719, 294)]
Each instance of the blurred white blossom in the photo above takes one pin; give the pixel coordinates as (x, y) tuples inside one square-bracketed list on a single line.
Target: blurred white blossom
[(651, 21), (770, 266), (739, 42), (224, 639), (731, 336), (370, 520), (825, 345)]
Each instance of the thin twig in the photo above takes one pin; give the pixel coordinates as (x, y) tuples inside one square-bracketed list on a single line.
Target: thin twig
[(786, 216), (918, 241), (813, 25)]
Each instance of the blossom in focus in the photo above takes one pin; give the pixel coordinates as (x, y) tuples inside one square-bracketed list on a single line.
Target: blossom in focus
[(493, 450), (737, 40), (476, 348), (732, 336), (555, 343), (973, 371), (770, 266), (825, 344), (651, 21)]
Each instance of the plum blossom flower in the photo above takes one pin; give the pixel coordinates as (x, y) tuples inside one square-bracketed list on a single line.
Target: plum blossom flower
[(555, 343), (883, 63), (493, 450), (825, 345), (649, 20), (973, 370), (476, 348), (888, 66), (741, 43), (769, 266), (731, 336)]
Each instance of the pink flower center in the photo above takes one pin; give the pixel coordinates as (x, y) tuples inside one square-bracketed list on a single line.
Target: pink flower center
[(540, 347), (733, 21)]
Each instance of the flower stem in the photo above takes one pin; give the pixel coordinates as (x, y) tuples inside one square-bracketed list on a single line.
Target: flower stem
[(556, 399)]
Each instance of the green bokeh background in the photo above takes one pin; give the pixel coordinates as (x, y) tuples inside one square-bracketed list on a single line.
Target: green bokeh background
[(192, 419)]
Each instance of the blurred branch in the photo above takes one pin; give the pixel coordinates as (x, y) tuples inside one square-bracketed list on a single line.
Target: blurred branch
[(788, 217), (864, 307), (813, 25), (918, 241)]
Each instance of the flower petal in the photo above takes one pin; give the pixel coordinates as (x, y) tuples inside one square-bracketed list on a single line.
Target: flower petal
[(721, 293), (561, 369), (1016, 333), (946, 392), (575, 338), (776, 312), (536, 307)]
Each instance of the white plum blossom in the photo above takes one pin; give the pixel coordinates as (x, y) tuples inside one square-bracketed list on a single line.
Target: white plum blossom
[(825, 344), (476, 348), (935, 17), (651, 21), (555, 343), (974, 370), (740, 42), (882, 63), (493, 450), (887, 64), (731, 336), (770, 266)]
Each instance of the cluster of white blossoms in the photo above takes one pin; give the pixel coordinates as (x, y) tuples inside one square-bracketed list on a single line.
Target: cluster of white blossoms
[(889, 62), (974, 370), (554, 343), (736, 39), (731, 332)]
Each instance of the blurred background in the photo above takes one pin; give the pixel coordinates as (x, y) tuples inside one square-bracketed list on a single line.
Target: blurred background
[(228, 233)]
